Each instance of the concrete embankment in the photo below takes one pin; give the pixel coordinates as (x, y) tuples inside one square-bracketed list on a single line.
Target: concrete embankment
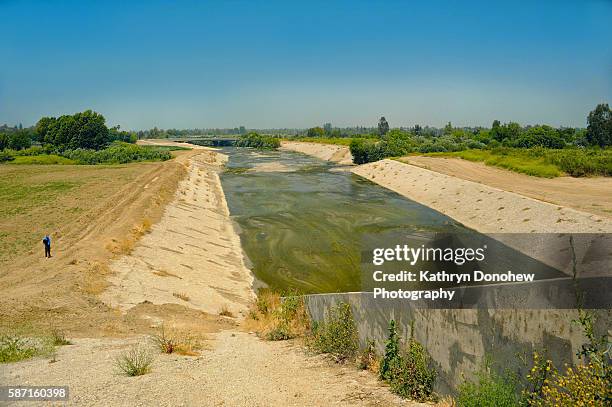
[(328, 152), (531, 226), (458, 340), (193, 256)]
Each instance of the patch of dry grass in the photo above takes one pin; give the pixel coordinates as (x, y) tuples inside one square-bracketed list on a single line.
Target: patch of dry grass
[(181, 296), (172, 341), (225, 312), (278, 318)]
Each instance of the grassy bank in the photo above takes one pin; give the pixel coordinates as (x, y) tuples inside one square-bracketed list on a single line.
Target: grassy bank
[(116, 153), (37, 199), (542, 162)]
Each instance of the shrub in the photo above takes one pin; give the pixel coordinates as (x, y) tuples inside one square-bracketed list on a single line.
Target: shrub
[(392, 353), (164, 342), (366, 150), (258, 141), (583, 385), (408, 371), (117, 153), (14, 348), (337, 334), (490, 389), (275, 318), (135, 362), (411, 375), (368, 360), (5, 157), (225, 312), (58, 338)]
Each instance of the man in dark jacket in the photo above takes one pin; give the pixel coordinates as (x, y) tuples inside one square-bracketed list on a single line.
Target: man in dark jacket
[(47, 243)]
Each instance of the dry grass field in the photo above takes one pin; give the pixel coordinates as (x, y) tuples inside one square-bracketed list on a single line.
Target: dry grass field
[(93, 214)]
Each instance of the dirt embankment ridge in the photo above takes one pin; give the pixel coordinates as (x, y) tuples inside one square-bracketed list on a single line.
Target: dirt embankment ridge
[(327, 152)]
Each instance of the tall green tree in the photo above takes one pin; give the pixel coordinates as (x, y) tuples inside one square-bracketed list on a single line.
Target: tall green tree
[(383, 126), (80, 130), (599, 128)]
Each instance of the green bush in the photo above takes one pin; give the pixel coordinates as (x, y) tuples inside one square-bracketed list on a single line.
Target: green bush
[(117, 153), (50, 159), (490, 389), (137, 361), (5, 156), (367, 150), (392, 353), (337, 334), (258, 141), (408, 372), (14, 349)]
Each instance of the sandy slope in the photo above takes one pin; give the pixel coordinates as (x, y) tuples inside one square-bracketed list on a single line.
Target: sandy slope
[(238, 370), (327, 152), (592, 195), (193, 251)]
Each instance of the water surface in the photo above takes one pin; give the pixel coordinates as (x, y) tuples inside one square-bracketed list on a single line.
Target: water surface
[(302, 221)]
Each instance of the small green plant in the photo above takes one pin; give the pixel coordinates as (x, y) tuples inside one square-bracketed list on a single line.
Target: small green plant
[(490, 389), (392, 353), (58, 338), (408, 372), (280, 332), (164, 342), (137, 361), (336, 334), (5, 156), (14, 349)]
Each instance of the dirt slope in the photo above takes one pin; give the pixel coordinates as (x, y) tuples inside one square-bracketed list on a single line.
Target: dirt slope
[(592, 195)]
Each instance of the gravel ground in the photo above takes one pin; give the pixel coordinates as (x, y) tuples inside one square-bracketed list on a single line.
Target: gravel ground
[(239, 370)]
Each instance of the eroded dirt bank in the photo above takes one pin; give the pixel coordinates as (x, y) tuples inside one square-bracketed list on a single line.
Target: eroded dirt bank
[(328, 152)]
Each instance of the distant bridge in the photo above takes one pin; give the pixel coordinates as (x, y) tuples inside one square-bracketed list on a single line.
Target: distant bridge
[(209, 141)]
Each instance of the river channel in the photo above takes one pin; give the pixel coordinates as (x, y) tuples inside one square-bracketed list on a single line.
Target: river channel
[(302, 220)]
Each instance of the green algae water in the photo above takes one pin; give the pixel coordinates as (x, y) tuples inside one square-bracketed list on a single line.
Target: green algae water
[(302, 220)]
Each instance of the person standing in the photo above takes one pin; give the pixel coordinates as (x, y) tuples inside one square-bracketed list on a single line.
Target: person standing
[(47, 242)]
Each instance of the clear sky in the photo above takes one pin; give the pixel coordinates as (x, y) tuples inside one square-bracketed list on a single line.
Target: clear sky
[(288, 64)]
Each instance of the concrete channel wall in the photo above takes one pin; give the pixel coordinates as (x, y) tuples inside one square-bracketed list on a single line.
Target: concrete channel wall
[(459, 339)]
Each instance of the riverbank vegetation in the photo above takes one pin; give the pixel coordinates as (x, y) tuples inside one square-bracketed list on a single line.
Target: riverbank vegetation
[(542, 162), (258, 141), (539, 150), (409, 370), (81, 138)]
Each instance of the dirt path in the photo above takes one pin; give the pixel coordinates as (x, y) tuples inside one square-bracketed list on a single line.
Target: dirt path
[(592, 195), (238, 370)]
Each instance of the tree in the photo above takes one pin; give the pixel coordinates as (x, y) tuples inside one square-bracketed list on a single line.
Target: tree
[(448, 129), (417, 129), (315, 132), (599, 128), (327, 127), (80, 130), (383, 126)]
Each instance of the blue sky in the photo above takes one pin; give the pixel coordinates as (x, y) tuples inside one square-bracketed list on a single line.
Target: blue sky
[(289, 64)]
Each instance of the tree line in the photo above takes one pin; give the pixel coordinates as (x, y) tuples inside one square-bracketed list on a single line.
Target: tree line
[(398, 142)]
